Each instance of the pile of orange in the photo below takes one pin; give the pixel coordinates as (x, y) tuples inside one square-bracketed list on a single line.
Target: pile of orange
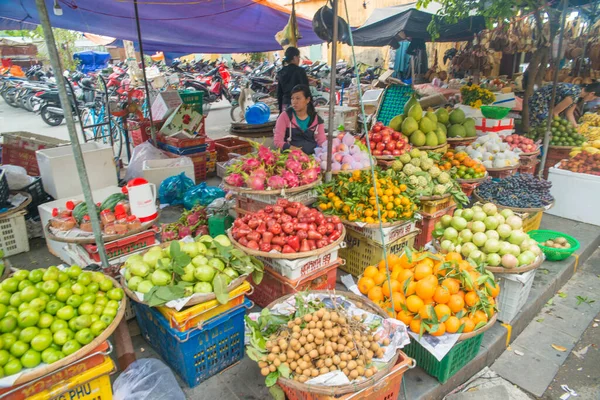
[(461, 166), (432, 293)]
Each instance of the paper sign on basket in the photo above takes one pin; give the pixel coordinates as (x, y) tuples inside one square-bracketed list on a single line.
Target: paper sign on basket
[(333, 378), (438, 346)]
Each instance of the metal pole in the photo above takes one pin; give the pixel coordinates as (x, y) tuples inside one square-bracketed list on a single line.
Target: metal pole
[(66, 105), (139, 35), (559, 57), (332, 93)]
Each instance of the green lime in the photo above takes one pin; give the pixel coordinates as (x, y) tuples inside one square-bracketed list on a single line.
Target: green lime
[(31, 359), (8, 324), (41, 342), (71, 347), (18, 348), (13, 367), (28, 334)]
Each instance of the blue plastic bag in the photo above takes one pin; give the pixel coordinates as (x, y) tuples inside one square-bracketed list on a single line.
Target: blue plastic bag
[(172, 190), (201, 194)]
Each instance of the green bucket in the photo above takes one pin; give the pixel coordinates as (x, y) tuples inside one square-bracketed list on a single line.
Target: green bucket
[(494, 112)]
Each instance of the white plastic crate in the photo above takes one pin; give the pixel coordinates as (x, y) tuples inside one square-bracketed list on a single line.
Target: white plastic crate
[(390, 234), (296, 269), (13, 234), (255, 202), (156, 171), (514, 290)]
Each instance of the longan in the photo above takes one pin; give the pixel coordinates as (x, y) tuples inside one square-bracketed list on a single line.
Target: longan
[(312, 325), (277, 362), (308, 317), (319, 325), (306, 372), (298, 321), (375, 347), (310, 338), (265, 371), (328, 362), (262, 364), (302, 378), (320, 313), (283, 357), (272, 368), (313, 354), (326, 316), (302, 340), (275, 349), (352, 365), (386, 342), (343, 364), (314, 373), (336, 359), (271, 357), (323, 370), (293, 365), (368, 373), (346, 371), (353, 374), (306, 358)]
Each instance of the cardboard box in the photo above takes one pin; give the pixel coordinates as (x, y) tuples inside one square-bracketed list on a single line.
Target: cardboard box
[(186, 120), (504, 126), (165, 103)]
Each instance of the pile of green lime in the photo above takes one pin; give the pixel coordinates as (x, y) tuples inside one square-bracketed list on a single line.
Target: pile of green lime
[(48, 314), (563, 133)]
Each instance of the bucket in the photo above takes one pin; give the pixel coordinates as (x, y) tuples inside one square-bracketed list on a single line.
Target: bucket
[(258, 113)]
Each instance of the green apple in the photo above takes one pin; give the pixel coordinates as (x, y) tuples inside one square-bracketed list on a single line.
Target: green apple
[(71, 347), (89, 298), (63, 277), (10, 285), (51, 274), (199, 261), (62, 336), (63, 293), (112, 304), (15, 299), (74, 300), (105, 285), (58, 324), (9, 339), (41, 342), (36, 275), (18, 348), (83, 321), (109, 311), (117, 293), (45, 320), (28, 334), (94, 318), (145, 286), (8, 324), (13, 367), (97, 328), (5, 297), (97, 276), (31, 359), (101, 301), (24, 284), (93, 288), (78, 288), (50, 286), (38, 304), (21, 275), (86, 309), (53, 306), (23, 306), (203, 287), (51, 355), (28, 318), (66, 313), (4, 357), (107, 319), (84, 336), (85, 278), (3, 310), (73, 271)]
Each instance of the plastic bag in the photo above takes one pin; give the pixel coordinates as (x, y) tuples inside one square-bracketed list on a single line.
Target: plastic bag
[(173, 189), (201, 194), (147, 379), (17, 177), (141, 153)]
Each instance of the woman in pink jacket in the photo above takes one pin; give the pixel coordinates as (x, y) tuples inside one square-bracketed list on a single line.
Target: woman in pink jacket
[(299, 126)]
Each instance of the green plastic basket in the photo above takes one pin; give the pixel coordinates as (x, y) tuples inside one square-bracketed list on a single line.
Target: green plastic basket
[(494, 112), (551, 253), (460, 355)]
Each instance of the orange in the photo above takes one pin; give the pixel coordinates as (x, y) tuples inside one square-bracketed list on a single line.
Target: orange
[(493, 290), (439, 331), (461, 294), (426, 311), (442, 295), (468, 323), (453, 256), (441, 310), (465, 266), (415, 325), (429, 301), (365, 284), (490, 309), (414, 303), (370, 271), (425, 290), (474, 276), (387, 307), (471, 298), (393, 260), (405, 317), (382, 266), (453, 285), (411, 288), (375, 294), (385, 287), (452, 324), (456, 303), (379, 278), (403, 261), (422, 270), (398, 299), (395, 273), (479, 316), (440, 269), (404, 275)]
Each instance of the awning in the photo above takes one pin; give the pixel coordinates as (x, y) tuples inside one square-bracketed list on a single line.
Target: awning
[(191, 26), (390, 25), (91, 60)]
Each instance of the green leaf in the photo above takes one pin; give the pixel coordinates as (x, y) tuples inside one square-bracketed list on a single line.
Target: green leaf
[(550, 302), (540, 320), (220, 288), (237, 253), (257, 277), (461, 328), (254, 354), (408, 254), (277, 392), (284, 370), (271, 379), (562, 295), (224, 251), (480, 325), (175, 248), (181, 260)]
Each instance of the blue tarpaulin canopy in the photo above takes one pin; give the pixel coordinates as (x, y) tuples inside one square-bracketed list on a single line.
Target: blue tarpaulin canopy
[(91, 60), (182, 26)]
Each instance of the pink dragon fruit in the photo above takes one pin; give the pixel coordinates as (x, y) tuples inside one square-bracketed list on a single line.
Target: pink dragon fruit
[(293, 165), (299, 156), (256, 182), (276, 182), (236, 180), (310, 175), (291, 179), (250, 164), (184, 231), (266, 155)]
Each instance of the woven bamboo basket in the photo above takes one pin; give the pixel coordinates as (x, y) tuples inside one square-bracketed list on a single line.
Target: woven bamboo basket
[(276, 192)]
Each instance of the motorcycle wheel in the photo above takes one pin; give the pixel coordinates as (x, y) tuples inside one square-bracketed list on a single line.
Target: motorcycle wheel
[(49, 118), (25, 103), (9, 97), (236, 114)]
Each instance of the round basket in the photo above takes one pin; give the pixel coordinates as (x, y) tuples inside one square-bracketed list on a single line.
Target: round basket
[(365, 304), (469, 335), (88, 239), (503, 172), (551, 253), (275, 192), (442, 148), (515, 209), (374, 226), (350, 171), (561, 147), (20, 207), (533, 153), (433, 198), (287, 256), (40, 371), (494, 112), (519, 270), (460, 141), (477, 180)]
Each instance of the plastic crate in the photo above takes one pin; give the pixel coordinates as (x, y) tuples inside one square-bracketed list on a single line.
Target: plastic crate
[(140, 132), (195, 316), (183, 151), (433, 206), (199, 168), (392, 102), (274, 286), (4, 189), (231, 145), (555, 155), (184, 143), (13, 234), (18, 148), (389, 234), (197, 354), (38, 196), (532, 221), (300, 267), (387, 388), (427, 225), (514, 290), (93, 384), (468, 188), (460, 355), (123, 246), (255, 202), (360, 252)]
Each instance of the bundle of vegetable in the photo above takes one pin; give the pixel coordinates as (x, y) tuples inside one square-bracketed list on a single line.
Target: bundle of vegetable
[(348, 154), (184, 268), (492, 151), (192, 223), (286, 227), (425, 178), (352, 197), (271, 169), (519, 191)]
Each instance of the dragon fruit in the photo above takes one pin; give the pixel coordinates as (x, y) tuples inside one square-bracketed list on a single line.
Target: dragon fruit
[(184, 231), (256, 182), (310, 175), (201, 230), (290, 178), (236, 180), (299, 156), (169, 232), (293, 165), (276, 182), (266, 155), (250, 164)]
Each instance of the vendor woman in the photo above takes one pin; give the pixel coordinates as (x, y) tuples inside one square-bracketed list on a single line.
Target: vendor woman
[(299, 126), (567, 97)]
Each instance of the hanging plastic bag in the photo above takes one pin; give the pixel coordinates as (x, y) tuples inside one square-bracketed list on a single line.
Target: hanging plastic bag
[(202, 194), (172, 190), (141, 153), (147, 379)]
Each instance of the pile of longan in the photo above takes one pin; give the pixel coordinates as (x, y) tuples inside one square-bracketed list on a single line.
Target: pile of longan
[(321, 342)]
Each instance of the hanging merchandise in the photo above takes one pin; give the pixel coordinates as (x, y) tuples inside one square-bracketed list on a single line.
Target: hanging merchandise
[(323, 25)]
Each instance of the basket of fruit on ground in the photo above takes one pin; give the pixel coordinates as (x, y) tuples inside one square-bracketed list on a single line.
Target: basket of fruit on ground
[(556, 246), (563, 134)]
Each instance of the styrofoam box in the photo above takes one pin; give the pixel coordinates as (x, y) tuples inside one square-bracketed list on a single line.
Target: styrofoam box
[(505, 126), (505, 100), (344, 115), (575, 195), (156, 171), (60, 175), (514, 291), (389, 234), (45, 210), (296, 269)]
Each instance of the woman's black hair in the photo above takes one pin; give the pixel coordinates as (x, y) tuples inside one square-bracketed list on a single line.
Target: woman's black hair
[(290, 53), (306, 92), (592, 88)]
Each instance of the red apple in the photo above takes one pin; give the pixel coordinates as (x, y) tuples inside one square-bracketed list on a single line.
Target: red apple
[(396, 135), (376, 128), (376, 152), (386, 153), (380, 146), (391, 145), (372, 145), (376, 137), (400, 144), (396, 152)]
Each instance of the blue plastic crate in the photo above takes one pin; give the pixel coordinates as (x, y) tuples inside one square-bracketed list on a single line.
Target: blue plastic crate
[(196, 354), (393, 101), (182, 151)]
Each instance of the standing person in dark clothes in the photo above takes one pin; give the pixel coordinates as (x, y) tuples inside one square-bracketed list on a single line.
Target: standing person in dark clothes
[(289, 76)]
